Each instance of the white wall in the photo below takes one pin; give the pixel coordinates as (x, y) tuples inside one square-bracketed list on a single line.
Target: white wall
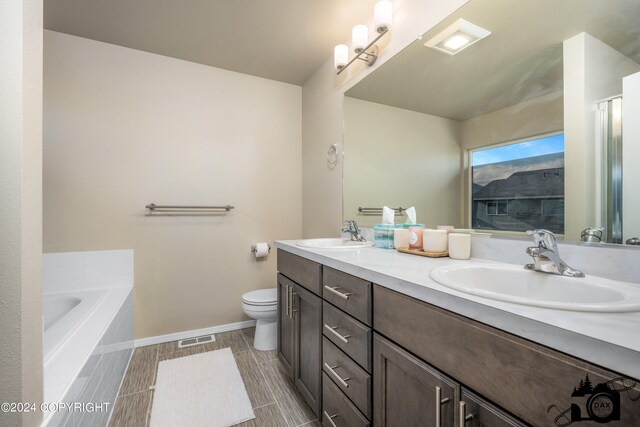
[(21, 201), (322, 113), (592, 71), (630, 156), (124, 128), (397, 157)]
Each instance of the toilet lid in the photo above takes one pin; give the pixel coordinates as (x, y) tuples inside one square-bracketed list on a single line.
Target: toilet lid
[(261, 297)]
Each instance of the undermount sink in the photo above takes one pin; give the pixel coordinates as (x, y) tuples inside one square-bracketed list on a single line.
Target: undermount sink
[(514, 284), (333, 244)]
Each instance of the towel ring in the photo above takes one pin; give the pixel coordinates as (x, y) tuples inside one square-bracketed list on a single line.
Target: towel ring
[(332, 156)]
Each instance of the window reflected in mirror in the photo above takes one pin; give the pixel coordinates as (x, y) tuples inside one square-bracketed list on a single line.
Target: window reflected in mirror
[(519, 186)]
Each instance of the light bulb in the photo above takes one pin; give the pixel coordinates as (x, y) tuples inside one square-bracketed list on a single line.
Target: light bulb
[(456, 42), (383, 13), (359, 37), (340, 56)]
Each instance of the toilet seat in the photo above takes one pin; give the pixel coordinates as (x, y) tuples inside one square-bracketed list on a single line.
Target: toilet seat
[(261, 297)]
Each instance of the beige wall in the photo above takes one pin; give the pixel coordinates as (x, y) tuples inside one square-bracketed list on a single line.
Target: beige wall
[(397, 157), (539, 116), (322, 113), (21, 201), (124, 128), (592, 71)]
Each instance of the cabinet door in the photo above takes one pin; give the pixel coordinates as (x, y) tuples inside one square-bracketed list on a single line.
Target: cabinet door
[(307, 326), (480, 413), (285, 324), (405, 390)]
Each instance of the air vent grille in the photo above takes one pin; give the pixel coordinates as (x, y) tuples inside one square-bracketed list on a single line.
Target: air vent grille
[(188, 342)]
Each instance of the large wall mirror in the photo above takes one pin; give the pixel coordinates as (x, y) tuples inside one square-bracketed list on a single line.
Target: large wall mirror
[(536, 125)]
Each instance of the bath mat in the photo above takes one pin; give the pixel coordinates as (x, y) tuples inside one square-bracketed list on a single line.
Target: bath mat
[(204, 389)]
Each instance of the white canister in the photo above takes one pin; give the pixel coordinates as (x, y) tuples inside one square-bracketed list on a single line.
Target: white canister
[(401, 238), (459, 246), (434, 240)]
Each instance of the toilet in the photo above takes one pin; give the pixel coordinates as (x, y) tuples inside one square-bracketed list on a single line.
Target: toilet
[(262, 305)]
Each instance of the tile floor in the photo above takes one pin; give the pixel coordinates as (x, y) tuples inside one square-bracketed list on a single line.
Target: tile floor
[(275, 401)]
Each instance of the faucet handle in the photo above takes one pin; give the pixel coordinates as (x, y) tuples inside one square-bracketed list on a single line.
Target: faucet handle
[(543, 237)]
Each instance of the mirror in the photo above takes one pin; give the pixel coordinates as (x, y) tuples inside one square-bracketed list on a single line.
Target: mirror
[(518, 130)]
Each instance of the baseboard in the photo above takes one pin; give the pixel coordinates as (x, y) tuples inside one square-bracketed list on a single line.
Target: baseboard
[(193, 333)]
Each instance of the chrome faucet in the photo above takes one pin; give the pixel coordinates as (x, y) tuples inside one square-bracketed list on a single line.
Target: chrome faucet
[(353, 229), (546, 256)]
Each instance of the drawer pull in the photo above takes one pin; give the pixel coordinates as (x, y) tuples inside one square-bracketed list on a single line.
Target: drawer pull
[(343, 381), (463, 417), (439, 402), (337, 292), (342, 338), (330, 418), (289, 298), (292, 302)]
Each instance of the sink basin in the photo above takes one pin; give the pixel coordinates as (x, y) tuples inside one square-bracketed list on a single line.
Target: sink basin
[(516, 285), (333, 244)]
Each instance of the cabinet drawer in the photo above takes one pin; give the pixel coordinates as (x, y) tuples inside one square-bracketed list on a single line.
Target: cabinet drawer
[(354, 381), (484, 413), (521, 376), (348, 293), (337, 410), (351, 336), (306, 273)]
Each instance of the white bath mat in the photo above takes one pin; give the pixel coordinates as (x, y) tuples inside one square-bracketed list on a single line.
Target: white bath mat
[(204, 389)]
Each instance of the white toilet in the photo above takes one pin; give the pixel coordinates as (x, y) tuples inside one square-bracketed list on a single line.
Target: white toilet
[(262, 305)]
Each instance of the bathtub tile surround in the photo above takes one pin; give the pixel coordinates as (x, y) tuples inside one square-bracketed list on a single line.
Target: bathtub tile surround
[(273, 397), (65, 271), (88, 337)]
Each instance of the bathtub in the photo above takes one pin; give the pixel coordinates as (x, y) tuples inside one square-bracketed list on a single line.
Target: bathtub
[(87, 321), (63, 314)]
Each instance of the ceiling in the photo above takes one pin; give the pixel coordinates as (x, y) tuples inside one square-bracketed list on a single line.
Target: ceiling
[(519, 61), (284, 40)]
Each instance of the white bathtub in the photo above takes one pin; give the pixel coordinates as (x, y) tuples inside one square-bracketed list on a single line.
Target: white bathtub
[(63, 314), (87, 331)]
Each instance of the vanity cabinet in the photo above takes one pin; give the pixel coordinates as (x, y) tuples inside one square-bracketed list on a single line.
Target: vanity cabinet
[(285, 323), (407, 391), (300, 325), (346, 349), (410, 392), (534, 383), (362, 354)]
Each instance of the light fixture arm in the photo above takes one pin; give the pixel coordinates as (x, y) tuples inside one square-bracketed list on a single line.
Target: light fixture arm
[(371, 52)]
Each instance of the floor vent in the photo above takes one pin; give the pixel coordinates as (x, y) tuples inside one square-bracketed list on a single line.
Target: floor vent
[(188, 342)]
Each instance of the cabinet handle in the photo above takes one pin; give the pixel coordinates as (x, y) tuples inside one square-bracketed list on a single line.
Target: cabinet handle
[(335, 290), (286, 300), (290, 301), (343, 381), (342, 338), (463, 417), (439, 402), (330, 418)]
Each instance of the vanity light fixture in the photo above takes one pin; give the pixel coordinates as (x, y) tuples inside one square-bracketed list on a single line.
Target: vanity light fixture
[(365, 51), (457, 37)]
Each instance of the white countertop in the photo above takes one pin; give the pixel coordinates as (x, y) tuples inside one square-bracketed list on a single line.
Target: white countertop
[(611, 340)]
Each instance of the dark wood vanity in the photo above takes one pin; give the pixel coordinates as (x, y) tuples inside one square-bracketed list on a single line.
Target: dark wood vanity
[(361, 354)]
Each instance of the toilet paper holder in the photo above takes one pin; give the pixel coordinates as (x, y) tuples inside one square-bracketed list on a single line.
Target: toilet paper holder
[(253, 248)]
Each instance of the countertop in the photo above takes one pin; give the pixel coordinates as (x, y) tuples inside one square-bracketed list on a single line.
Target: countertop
[(611, 340)]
